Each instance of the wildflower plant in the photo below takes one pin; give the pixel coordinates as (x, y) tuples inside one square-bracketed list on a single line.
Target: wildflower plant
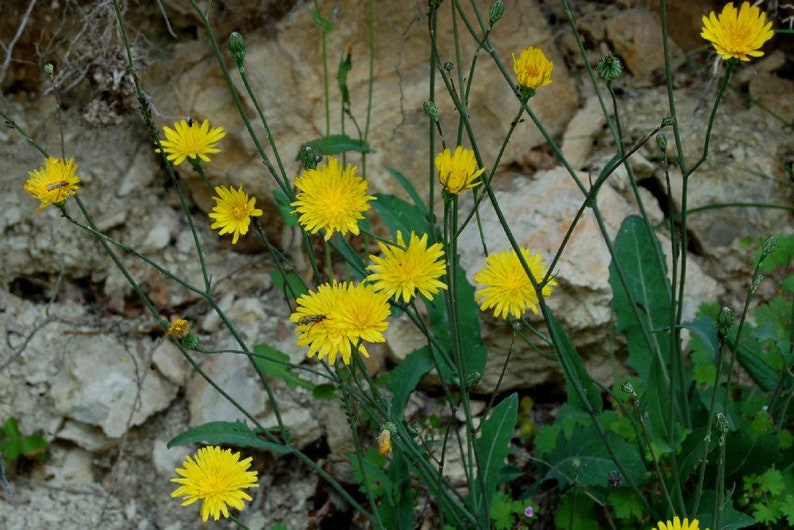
[(649, 449)]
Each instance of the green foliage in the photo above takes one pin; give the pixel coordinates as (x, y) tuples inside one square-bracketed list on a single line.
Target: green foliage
[(229, 433), (275, 364), (493, 446), (506, 512), (14, 446)]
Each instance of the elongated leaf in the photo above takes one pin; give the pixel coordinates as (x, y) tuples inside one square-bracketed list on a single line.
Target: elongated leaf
[(336, 143), (583, 394), (227, 432), (409, 188), (399, 214), (641, 294), (406, 376), (275, 364), (493, 445)]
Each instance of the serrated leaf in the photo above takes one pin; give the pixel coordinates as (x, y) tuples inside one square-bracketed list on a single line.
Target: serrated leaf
[(227, 433)]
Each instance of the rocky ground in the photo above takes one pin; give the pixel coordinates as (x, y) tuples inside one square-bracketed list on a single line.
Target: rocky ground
[(85, 366)]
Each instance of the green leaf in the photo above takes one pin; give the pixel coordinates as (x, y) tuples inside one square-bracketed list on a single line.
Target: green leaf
[(275, 364), (336, 143), (493, 445), (583, 458), (582, 391), (626, 505), (406, 376), (410, 189), (576, 512), (505, 511), (731, 518), (321, 22), (325, 392), (285, 209), (227, 433), (642, 305), (33, 446), (345, 65), (399, 214), (291, 284)]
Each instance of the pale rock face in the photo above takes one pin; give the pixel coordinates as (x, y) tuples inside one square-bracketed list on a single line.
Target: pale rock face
[(98, 384)]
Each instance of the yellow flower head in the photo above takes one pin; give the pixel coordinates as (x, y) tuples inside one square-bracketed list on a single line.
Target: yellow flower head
[(737, 34), (331, 198), (676, 524), (507, 287), (233, 211), (218, 478), (458, 171), (54, 182), (403, 270), (179, 328), (337, 317), (191, 140), (532, 68)]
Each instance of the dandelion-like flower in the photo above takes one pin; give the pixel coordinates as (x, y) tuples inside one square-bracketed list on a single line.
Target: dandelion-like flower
[(737, 34), (179, 328), (218, 478), (233, 211), (532, 68), (191, 140), (331, 198), (54, 182), (338, 317), (405, 269), (676, 524), (458, 171), (507, 287)]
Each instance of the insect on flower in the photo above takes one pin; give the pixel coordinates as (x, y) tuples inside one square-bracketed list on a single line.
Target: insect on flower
[(311, 319), (60, 185)]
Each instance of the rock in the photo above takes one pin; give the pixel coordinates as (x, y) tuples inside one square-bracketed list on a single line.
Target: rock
[(577, 142), (98, 384), (166, 460), (774, 93), (581, 299), (636, 37), (170, 363), (86, 436)]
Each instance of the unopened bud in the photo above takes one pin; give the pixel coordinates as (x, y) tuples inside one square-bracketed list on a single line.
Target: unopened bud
[(661, 142), (237, 48), (609, 67), (48, 69), (496, 12), (431, 110)]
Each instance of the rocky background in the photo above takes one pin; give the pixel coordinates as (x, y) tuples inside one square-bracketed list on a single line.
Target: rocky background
[(83, 364)]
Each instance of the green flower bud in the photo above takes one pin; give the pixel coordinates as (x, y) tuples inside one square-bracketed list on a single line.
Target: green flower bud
[(661, 142), (609, 67), (190, 342), (768, 247), (496, 12), (448, 66), (237, 48), (431, 110), (49, 69), (725, 320)]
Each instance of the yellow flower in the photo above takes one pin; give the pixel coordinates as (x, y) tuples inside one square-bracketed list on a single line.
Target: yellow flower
[(54, 182), (532, 68), (676, 524), (233, 211), (331, 198), (384, 442), (216, 477), (737, 34), (405, 269), (507, 287), (191, 140), (458, 171), (337, 317), (179, 328)]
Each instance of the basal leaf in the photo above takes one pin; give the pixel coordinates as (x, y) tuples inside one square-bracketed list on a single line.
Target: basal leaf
[(227, 433), (493, 444)]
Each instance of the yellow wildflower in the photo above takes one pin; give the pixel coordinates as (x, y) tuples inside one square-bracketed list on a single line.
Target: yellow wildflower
[(331, 198), (532, 68), (458, 171), (737, 34), (405, 269), (507, 287), (191, 140), (218, 478), (233, 211), (54, 182)]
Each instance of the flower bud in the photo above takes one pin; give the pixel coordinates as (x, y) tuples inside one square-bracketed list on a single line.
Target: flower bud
[(431, 110), (237, 48), (661, 142), (609, 67), (496, 12), (725, 320), (48, 69)]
